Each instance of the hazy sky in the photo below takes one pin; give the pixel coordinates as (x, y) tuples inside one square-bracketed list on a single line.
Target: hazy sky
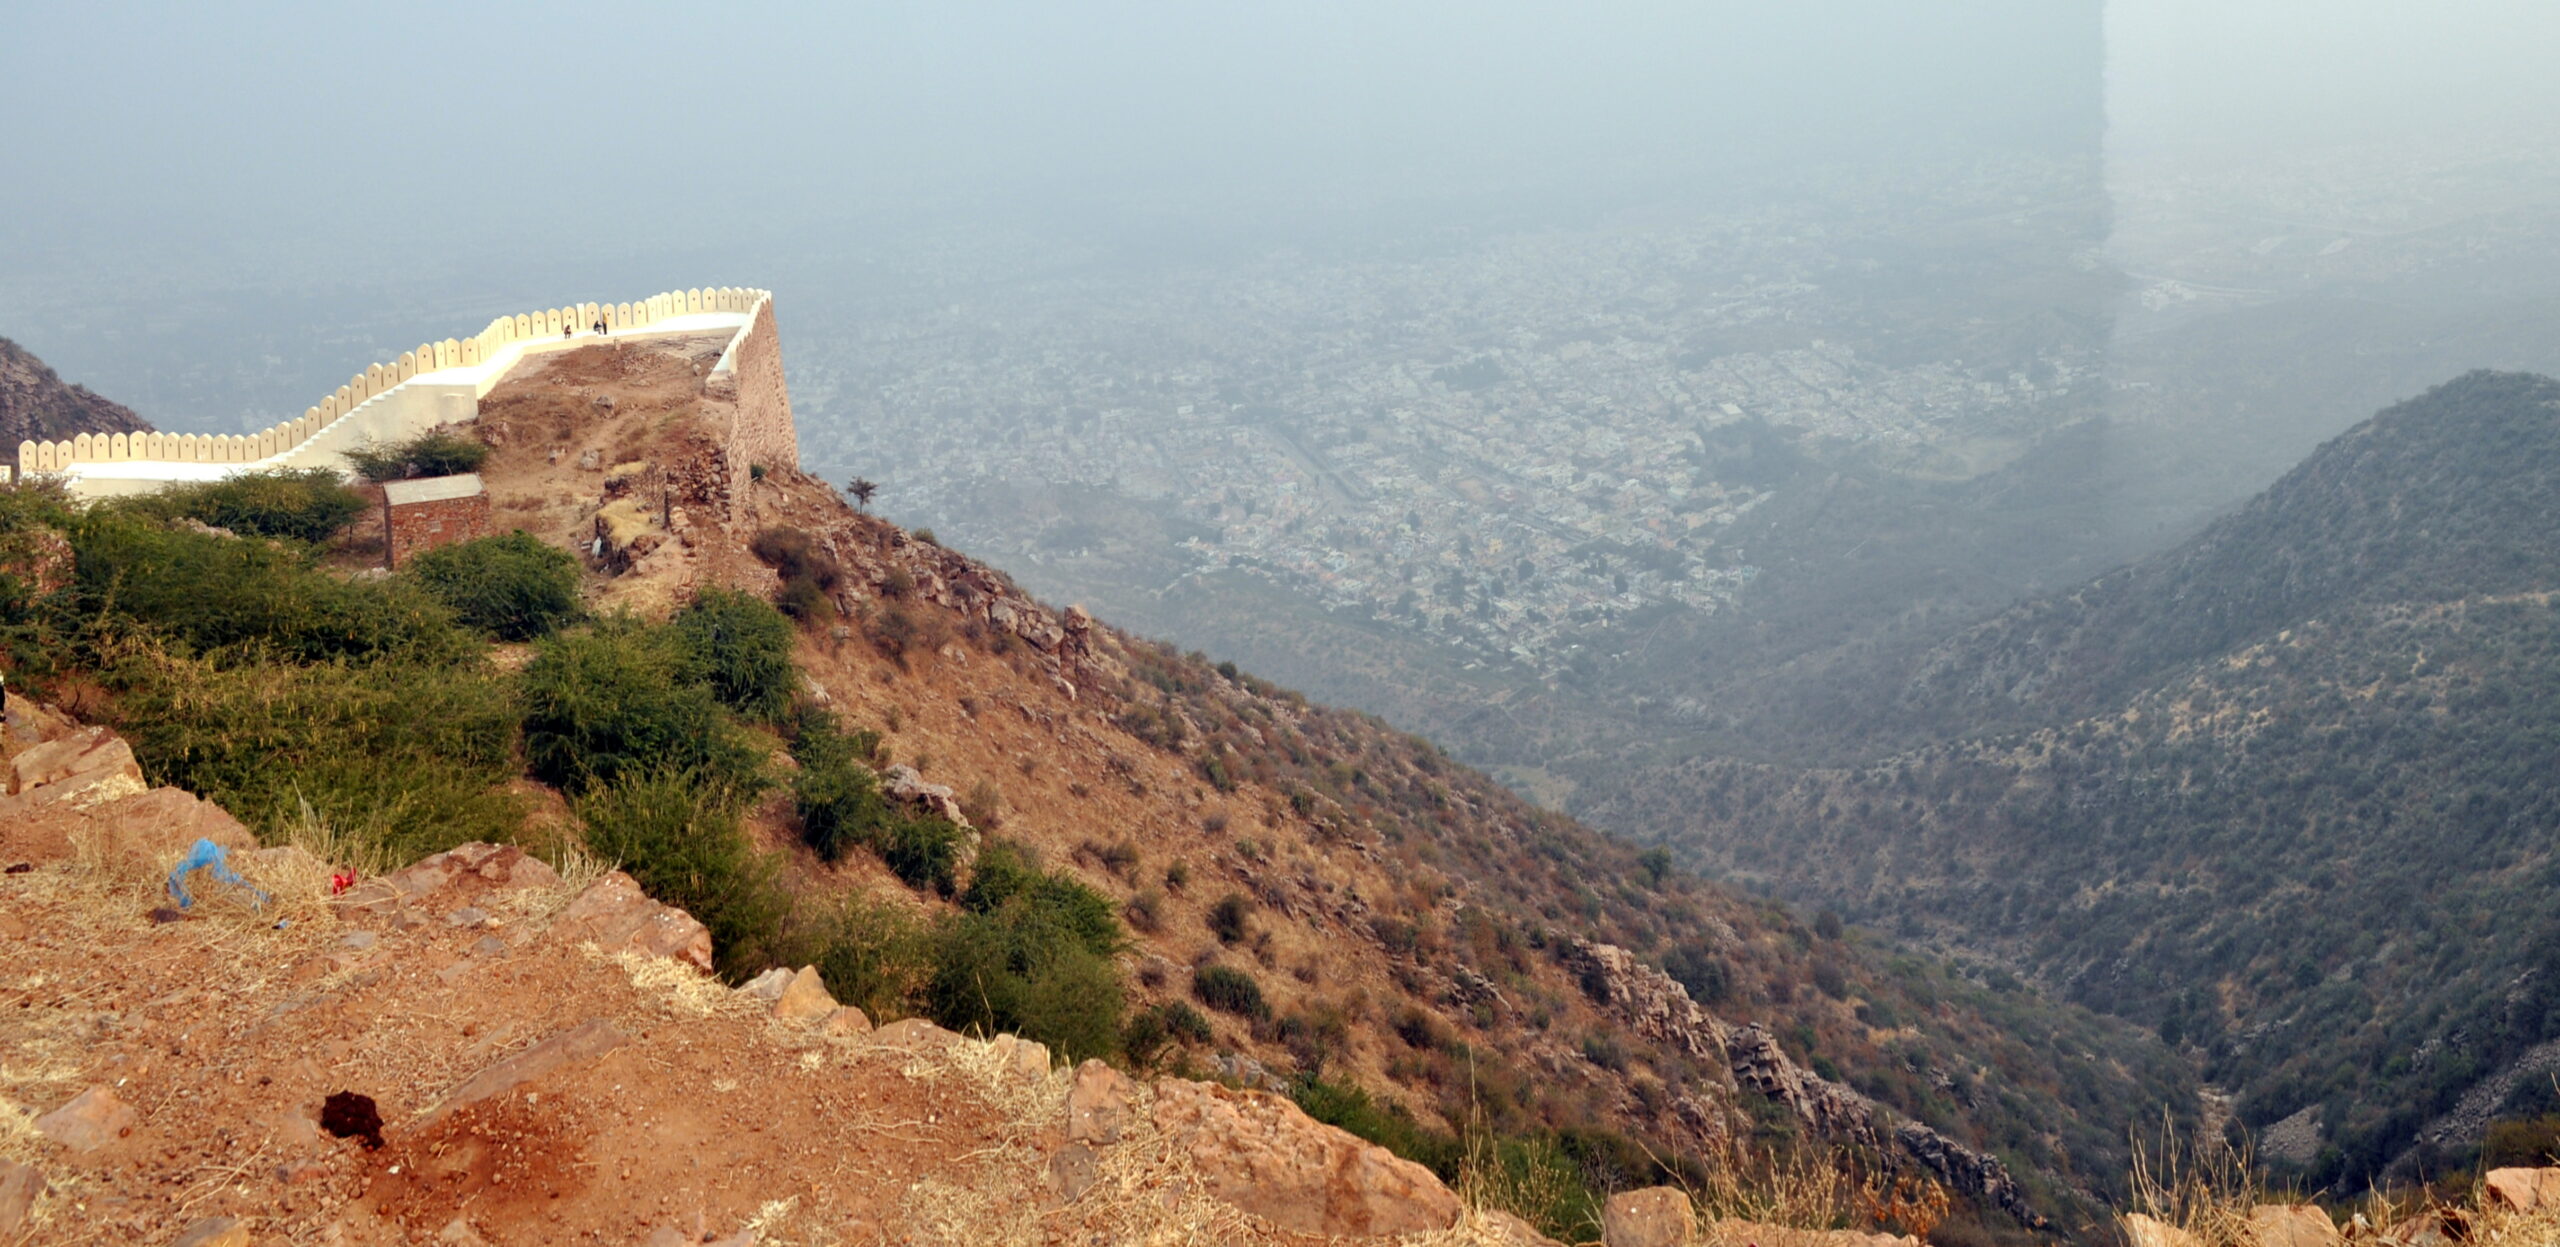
[(303, 122), (2240, 77)]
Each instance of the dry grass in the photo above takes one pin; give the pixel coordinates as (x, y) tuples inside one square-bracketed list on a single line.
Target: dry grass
[(678, 987), (2205, 1190), (1801, 1188)]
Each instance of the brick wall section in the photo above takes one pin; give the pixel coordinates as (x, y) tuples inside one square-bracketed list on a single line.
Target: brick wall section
[(760, 432), (415, 527)]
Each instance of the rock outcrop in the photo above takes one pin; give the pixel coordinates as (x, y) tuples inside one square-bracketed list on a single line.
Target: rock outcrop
[(1657, 1216), (2523, 1190), (1656, 1006), (616, 915), (1263, 1155), (35, 404)]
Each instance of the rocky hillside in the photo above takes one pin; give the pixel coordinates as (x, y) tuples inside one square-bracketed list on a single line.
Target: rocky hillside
[(2283, 793), (477, 1049), (35, 405), (963, 805)]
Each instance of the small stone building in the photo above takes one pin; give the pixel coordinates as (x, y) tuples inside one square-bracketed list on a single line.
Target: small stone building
[(437, 511)]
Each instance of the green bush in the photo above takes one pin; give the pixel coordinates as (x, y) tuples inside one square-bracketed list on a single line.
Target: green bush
[(739, 647), (1008, 876), (808, 573), (840, 806), (1151, 1031), (436, 452), (515, 588), (411, 757), (676, 836), (1229, 990), (923, 851), (214, 593), (1030, 952), (1226, 918), (609, 704), (300, 504), (874, 956)]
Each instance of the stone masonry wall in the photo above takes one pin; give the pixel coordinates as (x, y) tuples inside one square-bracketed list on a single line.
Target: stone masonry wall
[(415, 527), (760, 432)]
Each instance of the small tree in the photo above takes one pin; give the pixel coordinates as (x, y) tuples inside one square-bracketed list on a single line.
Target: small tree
[(862, 487)]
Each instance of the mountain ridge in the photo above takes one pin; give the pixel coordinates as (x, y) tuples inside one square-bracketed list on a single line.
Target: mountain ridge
[(2281, 793), (36, 405)]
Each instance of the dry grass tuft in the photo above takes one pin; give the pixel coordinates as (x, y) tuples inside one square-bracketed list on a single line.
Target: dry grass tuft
[(682, 989), (2207, 1190), (1800, 1188)]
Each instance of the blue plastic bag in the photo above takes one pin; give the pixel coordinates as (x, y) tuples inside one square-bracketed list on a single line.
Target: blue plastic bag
[(206, 855)]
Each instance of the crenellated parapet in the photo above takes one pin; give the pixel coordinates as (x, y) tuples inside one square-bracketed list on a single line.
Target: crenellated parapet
[(437, 383)]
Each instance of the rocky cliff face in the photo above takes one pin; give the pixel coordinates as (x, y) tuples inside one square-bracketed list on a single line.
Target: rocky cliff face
[(36, 405), (1654, 1005)]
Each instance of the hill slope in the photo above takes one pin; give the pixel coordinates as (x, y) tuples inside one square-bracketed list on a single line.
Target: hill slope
[(36, 405), (2284, 793), (1289, 896)]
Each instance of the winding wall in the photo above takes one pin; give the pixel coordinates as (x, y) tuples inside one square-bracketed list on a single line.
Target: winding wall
[(438, 383)]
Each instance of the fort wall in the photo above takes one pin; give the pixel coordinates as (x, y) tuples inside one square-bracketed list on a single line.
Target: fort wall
[(442, 383)]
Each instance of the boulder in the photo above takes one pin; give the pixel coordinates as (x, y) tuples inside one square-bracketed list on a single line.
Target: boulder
[(2142, 1231), (93, 1119), (904, 783), (469, 869), (1098, 1102), (81, 758), (915, 1035), (2523, 1190), (33, 722), (767, 986), (1260, 1153), (1501, 1229), (2292, 1225), (1657, 1216), (804, 999), (20, 1187), (1026, 1059), (846, 1020), (2426, 1229), (616, 915)]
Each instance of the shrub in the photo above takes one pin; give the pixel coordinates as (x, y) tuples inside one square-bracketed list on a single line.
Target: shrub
[(1030, 952), (406, 757), (436, 452), (515, 588), (793, 556), (1007, 874), (808, 573), (874, 956), (1229, 990), (680, 842), (1227, 918), (299, 504), (1151, 1031), (923, 851), (1697, 967), (739, 647), (840, 805), (608, 704), (214, 593)]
